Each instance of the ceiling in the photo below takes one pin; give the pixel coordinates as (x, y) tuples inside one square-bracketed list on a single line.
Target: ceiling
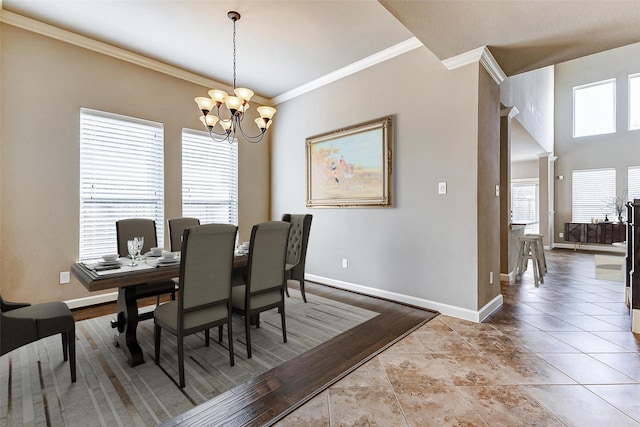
[(282, 45)]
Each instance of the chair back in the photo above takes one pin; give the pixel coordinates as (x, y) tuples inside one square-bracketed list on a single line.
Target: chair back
[(267, 256), (206, 267), (127, 229), (298, 237), (176, 228)]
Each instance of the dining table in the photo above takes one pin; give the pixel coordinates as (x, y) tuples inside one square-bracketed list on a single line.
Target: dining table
[(95, 277)]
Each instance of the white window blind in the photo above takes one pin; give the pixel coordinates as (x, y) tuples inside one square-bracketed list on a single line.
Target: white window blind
[(634, 102), (593, 193), (524, 204), (633, 180), (209, 178), (121, 176), (594, 108)]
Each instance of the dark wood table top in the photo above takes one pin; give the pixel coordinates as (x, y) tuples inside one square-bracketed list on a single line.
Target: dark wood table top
[(95, 282)]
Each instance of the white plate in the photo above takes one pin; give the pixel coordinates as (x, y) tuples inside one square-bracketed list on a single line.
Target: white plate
[(108, 263), (152, 255), (165, 262)]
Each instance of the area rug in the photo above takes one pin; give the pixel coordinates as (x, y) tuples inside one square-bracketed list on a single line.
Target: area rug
[(36, 389), (609, 267)]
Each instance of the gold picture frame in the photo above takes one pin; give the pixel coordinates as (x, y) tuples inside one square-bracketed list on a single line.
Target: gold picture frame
[(351, 167)]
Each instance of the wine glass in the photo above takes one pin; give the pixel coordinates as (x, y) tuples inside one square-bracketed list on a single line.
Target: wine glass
[(132, 247), (139, 244)]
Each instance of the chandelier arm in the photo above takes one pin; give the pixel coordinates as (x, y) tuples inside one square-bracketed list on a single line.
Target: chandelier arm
[(251, 138)]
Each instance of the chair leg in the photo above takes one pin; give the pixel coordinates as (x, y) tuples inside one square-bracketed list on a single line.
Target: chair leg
[(157, 331), (230, 339), (247, 331), (71, 341), (65, 346), (181, 361), (206, 337), (220, 333), (304, 296), (284, 327)]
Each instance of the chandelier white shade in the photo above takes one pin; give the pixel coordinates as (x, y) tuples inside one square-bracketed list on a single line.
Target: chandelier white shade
[(223, 113)]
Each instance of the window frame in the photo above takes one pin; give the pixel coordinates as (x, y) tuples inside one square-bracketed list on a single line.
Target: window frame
[(630, 118), (601, 205), (577, 89), (117, 154), (212, 156)]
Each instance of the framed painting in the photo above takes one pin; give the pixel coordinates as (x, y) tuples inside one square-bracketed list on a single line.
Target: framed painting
[(351, 167)]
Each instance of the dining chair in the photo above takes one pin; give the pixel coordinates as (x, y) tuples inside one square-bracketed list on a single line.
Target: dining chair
[(23, 323), (204, 298), (297, 249), (176, 228), (127, 229), (263, 288)]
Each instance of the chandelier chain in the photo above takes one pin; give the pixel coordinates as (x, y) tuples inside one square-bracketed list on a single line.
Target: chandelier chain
[(234, 54)]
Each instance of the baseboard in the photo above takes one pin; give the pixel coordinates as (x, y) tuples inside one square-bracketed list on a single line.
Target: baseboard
[(449, 310), (635, 321), (583, 247), (509, 278), (92, 300)]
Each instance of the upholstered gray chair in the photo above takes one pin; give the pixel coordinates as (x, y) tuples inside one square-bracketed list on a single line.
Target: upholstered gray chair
[(297, 249), (263, 288), (22, 323), (176, 228), (127, 229), (204, 299)]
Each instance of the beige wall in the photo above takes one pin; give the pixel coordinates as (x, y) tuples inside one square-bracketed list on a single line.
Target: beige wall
[(424, 249), (44, 83), (488, 177)]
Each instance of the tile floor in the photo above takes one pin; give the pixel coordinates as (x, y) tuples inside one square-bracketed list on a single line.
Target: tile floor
[(560, 354)]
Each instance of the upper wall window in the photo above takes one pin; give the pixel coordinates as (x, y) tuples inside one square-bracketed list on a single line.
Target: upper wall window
[(634, 101), (594, 108), (121, 176), (209, 178), (592, 191)]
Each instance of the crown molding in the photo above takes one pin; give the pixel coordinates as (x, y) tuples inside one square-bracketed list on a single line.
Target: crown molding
[(509, 111), (383, 55), (53, 32), (481, 55)]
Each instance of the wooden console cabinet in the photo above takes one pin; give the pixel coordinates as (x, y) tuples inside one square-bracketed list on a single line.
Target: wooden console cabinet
[(602, 232)]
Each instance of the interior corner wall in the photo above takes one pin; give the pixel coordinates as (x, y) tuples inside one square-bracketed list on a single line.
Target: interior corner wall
[(488, 198), (532, 94), (46, 82), (423, 250), (617, 150), (1, 127)]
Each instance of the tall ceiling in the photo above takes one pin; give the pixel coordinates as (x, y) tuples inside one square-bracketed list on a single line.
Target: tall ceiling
[(285, 44)]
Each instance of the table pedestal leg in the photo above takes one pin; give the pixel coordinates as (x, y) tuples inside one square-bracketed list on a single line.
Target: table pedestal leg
[(127, 324)]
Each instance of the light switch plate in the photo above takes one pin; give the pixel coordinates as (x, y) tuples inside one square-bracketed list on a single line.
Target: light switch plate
[(497, 190), (442, 188), (64, 277)]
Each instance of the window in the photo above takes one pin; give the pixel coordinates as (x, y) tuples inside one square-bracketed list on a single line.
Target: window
[(634, 102), (594, 108), (209, 178), (593, 191), (524, 204), (633, 180), (121, 176)]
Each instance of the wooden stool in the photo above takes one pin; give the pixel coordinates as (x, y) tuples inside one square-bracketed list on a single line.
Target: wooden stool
[(542, 260), (528, 250)]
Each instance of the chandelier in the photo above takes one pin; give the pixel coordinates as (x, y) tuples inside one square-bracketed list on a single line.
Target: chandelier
[(223, 114)]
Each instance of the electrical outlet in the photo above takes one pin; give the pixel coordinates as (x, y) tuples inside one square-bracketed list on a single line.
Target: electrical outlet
[(345, 263), (560, 234), (497, 190), (64, 277), (442, 188)]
